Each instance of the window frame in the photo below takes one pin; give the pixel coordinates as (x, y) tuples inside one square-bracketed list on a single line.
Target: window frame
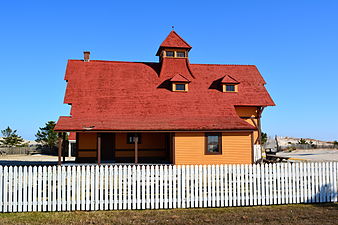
[(234, 85), (133, 134), (185, 87), (166, 54), (180, 52), (206, 135)]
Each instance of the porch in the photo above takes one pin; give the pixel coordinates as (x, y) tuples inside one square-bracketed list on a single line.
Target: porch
[(119, 147)]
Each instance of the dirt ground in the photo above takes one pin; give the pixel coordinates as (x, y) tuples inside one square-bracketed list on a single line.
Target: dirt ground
[(283, 214), (318, 155)]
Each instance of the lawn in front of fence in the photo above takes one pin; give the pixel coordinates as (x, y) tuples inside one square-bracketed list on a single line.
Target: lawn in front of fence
[(279, 214)]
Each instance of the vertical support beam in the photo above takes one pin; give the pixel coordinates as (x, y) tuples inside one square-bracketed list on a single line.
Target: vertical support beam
[(173, 148), (59, 149), (69, 149), (64, 146), (252, 147), (99, 149), (136, 148)]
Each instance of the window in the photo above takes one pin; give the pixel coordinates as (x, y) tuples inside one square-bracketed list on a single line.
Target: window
[(180, 87), (180, 54), (170, 53), (131, 138), (230, 87), (213, 143)]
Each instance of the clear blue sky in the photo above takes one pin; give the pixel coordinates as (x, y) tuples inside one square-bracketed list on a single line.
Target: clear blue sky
[(293, 43)]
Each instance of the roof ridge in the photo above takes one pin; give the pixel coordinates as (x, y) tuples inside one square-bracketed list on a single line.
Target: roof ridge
[(208, 64), (109, 61)]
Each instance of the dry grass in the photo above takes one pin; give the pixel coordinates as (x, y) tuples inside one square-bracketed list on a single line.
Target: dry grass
[(285, 214)]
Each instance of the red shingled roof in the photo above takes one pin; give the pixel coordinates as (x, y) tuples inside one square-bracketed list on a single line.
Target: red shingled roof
[(229, 80), (111, 95), (174, 40)]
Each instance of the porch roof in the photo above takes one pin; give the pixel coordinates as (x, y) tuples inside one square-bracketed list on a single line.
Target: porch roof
[(145, 123)]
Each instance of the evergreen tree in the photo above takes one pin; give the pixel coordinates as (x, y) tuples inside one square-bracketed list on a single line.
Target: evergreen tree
[(302, 142), (47, 136), (11, 139), (264, 138)]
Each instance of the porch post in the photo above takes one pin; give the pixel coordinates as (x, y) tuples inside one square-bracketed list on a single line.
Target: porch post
[(98, 149), (59, 149), (136, 148), (64, 146), (69, 149)]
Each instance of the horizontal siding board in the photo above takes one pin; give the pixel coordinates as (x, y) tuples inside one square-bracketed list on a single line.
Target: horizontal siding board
[(190, 149)]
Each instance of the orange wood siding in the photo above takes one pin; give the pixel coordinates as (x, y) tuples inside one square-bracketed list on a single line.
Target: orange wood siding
[(248, 111), (190, 149), (87, 141)]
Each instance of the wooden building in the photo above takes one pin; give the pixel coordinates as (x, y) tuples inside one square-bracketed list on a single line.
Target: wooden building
[(171, 111)]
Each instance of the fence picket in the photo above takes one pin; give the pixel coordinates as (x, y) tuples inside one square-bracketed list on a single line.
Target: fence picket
[(87, 178), (175, 187), (15, 190), (10, 189), (170, 186), (1, 188)]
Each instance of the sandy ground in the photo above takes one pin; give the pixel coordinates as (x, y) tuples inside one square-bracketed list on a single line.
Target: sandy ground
[(35, 159), (318, 155)]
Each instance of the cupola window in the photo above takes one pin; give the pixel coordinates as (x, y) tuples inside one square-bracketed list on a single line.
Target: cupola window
[(170, 53), (174, 53), (180, 54)]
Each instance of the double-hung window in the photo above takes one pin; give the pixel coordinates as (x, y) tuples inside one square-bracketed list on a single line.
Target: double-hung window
[(213, 143)]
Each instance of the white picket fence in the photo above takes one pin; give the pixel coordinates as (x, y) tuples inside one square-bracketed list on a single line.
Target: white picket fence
[(112, 187)]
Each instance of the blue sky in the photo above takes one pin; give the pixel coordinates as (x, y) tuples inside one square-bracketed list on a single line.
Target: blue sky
[(293, 43)]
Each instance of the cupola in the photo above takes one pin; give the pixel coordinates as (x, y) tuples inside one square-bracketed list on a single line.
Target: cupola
[(173, 47)]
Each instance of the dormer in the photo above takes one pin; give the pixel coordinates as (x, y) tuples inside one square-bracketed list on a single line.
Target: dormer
[(173, 47), (229, 84), (179, 83)]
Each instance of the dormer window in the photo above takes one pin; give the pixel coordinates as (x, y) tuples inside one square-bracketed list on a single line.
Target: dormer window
[(229, 84), (230, 88), (179, 83), (180, 87)]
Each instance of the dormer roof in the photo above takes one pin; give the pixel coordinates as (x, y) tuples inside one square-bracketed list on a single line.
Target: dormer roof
[(227, 79), (179, 78)]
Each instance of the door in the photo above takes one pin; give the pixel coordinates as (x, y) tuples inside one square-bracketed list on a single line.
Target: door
[(107, 147)]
